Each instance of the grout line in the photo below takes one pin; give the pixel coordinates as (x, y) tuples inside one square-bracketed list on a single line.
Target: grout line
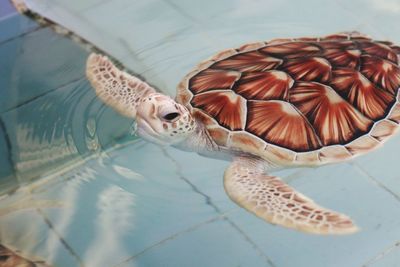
[(75, 37), (44, 94), (196, 21), (34, 29), (375, 181), (72, 165), (9, 15), (193, 186), (382, 254), (62, 240), (172, 237), (182, 12), (215, 207), (9, 147)]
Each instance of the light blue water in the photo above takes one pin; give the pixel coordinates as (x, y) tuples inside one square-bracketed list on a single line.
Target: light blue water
[(79, 190)]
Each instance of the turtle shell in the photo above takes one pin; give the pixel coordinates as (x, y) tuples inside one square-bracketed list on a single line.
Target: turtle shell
[(305, 100)]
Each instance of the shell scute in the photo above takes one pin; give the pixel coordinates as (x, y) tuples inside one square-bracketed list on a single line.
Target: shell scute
[(362, 145), (384, 129), (394, 114), (382, 72), (370, 100), (245, 142), (224, 54), (341, 58), (338, 36), (395, 48), (335, 121), (280, 155), (307, 39), (380, 50), (335, 152), (210, 79), (357, 36), (250, 47), (308, 158), (248, 62), (279, 41), (343, 45), (291, 49), (280, 123), (219, 135), (228, 108), (309, 69), (304, 100), (271, 85)]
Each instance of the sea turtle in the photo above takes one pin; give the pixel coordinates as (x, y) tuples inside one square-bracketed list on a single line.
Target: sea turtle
[(270, 105)]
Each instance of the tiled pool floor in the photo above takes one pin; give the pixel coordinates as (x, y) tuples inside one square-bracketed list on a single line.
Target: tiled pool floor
[(113, 200)]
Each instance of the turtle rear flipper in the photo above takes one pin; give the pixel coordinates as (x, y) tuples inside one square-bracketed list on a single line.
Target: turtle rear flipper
[(116, 88), (271, 199)]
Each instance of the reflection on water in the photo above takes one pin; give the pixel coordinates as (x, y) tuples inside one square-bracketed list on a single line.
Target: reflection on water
[(114, 218), (127, 173), (91, 138), (57, 142), (48, 132), (81, 207)]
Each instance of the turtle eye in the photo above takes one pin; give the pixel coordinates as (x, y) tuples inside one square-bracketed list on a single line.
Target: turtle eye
[(171, 116)]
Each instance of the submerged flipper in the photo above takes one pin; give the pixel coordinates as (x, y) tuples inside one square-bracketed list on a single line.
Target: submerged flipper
[(116, 88), (271, 199)]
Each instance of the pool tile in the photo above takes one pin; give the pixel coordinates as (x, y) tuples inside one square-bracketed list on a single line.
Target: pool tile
[(388, 258), (6, 9), (15, 25), (377, 18), (5, 162), (165, 63), (78, 6), (60, 127), (136, 29), (249, 21), (7, 178), (206, 174), (226, 248), (63, 14), (340, 188), (142, 204), (29, 238), (32, 67), (382, 164), (160, 57), (385, 27)]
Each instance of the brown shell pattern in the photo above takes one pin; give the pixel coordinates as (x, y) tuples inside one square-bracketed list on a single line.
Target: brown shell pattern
[(303, 94)]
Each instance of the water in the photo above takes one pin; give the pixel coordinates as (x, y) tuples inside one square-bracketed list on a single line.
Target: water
[(79, 190)]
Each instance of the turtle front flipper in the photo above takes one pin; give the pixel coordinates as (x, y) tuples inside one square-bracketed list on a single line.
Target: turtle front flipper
[(116, 88), (271, 199)]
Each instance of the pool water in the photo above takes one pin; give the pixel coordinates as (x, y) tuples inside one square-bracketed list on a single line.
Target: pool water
[(77, 189)]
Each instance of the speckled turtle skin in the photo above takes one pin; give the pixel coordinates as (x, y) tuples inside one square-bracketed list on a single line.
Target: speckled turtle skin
[(304, 101)]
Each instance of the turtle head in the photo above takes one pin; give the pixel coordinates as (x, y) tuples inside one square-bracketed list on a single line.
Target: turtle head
[(161, 120)]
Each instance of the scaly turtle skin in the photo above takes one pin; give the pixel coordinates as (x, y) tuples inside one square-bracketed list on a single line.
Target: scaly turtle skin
[(268, 105)]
